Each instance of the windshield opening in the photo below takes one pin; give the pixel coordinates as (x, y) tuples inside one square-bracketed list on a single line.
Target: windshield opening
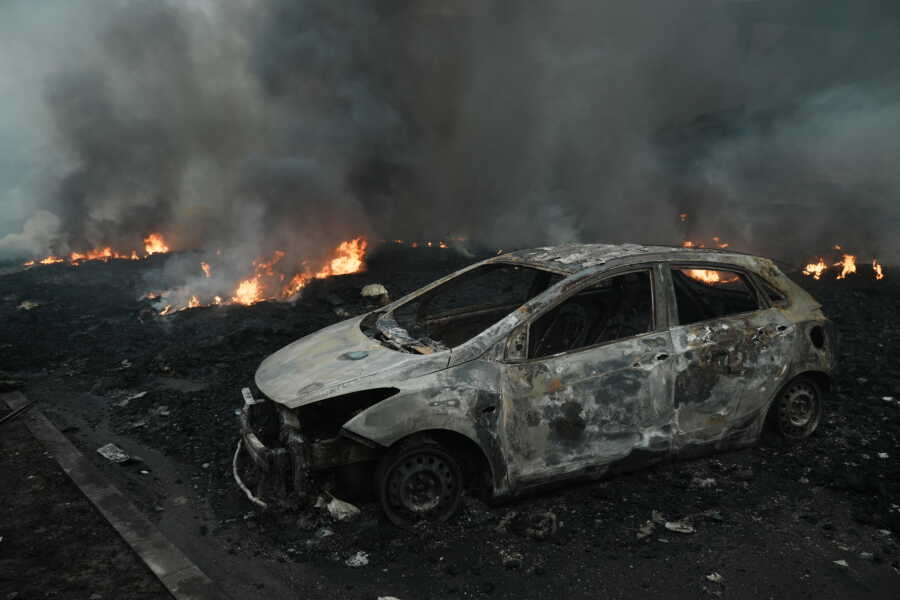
[(461, 308)]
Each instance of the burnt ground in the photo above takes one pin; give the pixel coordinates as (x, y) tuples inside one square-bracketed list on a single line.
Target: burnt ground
[(770, 520)]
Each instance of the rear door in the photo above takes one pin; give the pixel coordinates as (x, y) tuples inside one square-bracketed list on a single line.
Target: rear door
[(732, 351), (596, 381)]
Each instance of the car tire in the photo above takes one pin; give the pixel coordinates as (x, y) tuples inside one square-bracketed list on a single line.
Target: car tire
[(797, 409), (419, 480)]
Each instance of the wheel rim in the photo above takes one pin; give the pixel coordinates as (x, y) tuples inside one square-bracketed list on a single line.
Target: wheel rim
[(799, 410), (422, 486)]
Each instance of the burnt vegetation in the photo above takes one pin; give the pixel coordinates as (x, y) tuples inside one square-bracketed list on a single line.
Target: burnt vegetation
[(103, 365)]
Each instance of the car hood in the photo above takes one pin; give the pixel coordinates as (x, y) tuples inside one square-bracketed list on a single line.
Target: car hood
[(338, 360)]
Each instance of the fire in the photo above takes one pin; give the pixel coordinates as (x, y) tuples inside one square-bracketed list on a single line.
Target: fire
[(711, 277), (717, 242), (848, 264), (155, 244), (683, 217), (247, 292), (207, 270), (193, 302), (816, 269), (349, 259), (297, 283), (876, 266)]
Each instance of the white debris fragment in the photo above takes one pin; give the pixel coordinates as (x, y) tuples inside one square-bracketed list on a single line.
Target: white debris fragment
[(645, 530), (841, 563), (679, 526), (360, 559), (28, 305), (136, 396), (388, 598), (704, 482), (715, 577), (882, 455), (887, 398), (340, 510), (113, 453), (373, 290)]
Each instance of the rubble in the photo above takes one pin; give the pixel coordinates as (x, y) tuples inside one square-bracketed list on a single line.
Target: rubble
[(359, 559), (113, 453), (680, 526), (377, 292), (340, 510)]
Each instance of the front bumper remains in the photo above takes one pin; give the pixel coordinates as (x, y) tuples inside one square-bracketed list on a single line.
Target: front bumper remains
[(281, 471), (275, 461)]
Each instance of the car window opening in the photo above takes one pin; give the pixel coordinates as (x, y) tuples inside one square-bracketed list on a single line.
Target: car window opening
[(459, 309), (703, 294), (616, 308)]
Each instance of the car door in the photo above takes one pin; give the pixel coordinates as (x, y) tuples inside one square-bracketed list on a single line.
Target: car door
[(731, 349), (590, 380)]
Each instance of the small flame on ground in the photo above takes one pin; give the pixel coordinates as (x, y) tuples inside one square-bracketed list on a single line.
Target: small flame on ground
[(879, 271), (847, 264), (816, 269), (683, 217), (247, 291), (207, 270), (154, 243)]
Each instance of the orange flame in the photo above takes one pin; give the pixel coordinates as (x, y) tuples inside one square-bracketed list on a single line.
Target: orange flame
[(683, 217), (847, 264), (816, 269), (155, 244), (712, 277), (349, 259), (247, 292), (207, 270), (879, 271)]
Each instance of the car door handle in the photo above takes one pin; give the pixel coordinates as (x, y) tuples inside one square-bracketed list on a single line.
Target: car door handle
[(662, 356), (781, 328)]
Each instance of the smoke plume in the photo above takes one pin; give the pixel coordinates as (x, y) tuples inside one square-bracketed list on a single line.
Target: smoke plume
[(242, 128)]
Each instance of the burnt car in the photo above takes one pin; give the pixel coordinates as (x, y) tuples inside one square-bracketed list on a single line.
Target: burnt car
[(535, 367)]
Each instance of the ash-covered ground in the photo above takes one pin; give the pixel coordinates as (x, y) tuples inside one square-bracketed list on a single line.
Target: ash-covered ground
[(820, 519)]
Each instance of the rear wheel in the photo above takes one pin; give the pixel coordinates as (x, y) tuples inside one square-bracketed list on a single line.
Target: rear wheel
[(419, 480), (797, 410)]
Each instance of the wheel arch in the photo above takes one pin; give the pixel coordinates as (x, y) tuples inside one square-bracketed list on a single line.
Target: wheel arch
[(463, 447), (822, 379)]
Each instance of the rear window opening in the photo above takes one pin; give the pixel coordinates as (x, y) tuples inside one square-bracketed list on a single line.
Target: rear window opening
[(703, 294)]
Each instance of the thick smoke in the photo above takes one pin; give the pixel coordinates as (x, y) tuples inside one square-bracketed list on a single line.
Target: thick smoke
[(242, 128)]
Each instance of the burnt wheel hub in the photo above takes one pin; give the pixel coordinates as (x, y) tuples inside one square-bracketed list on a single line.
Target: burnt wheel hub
[(421, 484), (799, 410)]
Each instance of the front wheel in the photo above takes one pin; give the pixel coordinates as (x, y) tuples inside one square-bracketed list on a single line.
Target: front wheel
[(419, 480), (797, 410)]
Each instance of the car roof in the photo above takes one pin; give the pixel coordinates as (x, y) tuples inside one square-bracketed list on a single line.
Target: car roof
[(573, 258)]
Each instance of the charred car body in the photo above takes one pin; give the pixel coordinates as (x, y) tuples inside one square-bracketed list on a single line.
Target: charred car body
[(539, 366)]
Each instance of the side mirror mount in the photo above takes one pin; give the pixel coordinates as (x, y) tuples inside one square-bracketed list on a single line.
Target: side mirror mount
[(517, 344)]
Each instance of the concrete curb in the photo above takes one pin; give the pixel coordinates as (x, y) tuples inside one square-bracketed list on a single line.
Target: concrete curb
[(183, 579)]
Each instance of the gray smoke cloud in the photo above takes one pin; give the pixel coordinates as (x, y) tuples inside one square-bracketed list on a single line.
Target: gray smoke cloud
[(246, 127)]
